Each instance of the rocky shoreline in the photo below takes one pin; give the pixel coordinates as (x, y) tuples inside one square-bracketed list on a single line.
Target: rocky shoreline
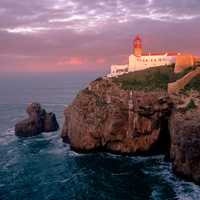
[(105, 117), (138, 118)]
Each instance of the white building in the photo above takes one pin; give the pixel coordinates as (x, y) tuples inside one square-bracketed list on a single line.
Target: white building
[(117, 70), (139, 60)]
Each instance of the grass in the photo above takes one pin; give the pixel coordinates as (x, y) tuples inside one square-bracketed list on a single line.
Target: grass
[(156, 78)]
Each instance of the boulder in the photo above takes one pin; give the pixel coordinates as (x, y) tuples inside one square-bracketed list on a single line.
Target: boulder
[(38, 121)]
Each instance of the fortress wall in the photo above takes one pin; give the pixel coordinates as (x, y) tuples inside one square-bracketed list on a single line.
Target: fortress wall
[(197, 60), (181, 83), (184, 61)]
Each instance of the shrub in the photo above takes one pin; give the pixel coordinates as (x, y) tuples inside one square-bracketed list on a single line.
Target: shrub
[(194, 84), (191, 105)]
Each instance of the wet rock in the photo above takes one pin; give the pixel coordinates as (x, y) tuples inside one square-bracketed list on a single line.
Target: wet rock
[(50, 122), (38, 121)]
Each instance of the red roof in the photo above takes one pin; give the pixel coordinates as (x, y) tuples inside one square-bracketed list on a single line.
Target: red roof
[(172, 54)]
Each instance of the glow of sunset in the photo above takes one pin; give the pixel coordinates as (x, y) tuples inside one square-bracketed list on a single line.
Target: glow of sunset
[(76, 35)]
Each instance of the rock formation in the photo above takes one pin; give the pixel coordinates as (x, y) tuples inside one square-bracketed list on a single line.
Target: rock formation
[(105, 117), (38, 121), (185, 141), (128, 120)]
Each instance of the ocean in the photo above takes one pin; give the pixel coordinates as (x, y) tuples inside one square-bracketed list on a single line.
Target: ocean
[(44, 168)]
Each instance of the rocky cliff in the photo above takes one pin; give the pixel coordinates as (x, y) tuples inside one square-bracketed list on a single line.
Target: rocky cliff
[(185, 138), (135, 115), (106, 117)]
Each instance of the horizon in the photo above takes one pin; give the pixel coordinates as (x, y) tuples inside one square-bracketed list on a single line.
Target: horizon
[(80, 35)]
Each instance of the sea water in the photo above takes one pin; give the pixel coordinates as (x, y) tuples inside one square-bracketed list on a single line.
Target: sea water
[(43, 167)]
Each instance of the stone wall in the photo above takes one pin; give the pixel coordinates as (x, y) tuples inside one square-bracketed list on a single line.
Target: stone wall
[(181, 83), (184, 61), (197, 61)]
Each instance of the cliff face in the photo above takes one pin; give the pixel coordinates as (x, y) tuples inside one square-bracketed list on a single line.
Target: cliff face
[(105, 117), (185, 142)]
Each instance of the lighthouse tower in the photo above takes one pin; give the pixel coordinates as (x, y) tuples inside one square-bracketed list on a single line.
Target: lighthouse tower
[(137, 45)]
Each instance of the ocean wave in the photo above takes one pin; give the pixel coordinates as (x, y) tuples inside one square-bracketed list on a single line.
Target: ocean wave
[(183, 190), (7, 137), (135, 159)]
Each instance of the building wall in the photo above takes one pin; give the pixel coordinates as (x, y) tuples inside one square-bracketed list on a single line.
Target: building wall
[(117, 70), (144, 62), (181, 83), (184, 61), (197, 60)]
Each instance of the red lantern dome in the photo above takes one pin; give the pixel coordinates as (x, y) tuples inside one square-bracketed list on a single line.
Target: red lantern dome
[(137, 45)]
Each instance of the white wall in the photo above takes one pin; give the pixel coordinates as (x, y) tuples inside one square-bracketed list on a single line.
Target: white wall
[(117, 70), (144, 62)]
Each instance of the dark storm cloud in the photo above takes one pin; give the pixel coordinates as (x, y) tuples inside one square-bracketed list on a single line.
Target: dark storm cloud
[(57, 30)]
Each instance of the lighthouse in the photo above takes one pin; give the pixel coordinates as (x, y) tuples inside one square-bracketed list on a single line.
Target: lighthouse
[(137, 46), (139, 60)]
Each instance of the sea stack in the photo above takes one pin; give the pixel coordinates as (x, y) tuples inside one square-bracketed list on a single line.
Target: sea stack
[(38, 121)]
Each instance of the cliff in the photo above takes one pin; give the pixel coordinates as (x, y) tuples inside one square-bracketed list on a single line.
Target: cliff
[(185, 138), (133, 114), (106, 117)]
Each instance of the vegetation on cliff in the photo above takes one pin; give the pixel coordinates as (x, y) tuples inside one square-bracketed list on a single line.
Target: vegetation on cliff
[(184, 72), (193, 85), (156, 78), (191, 105), (151, 79)]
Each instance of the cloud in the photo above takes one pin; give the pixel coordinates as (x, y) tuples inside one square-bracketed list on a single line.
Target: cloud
[(26, 30), (73, 61), (100, 31)]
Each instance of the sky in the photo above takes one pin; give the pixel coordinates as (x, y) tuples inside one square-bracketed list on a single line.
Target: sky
[(76, 35)]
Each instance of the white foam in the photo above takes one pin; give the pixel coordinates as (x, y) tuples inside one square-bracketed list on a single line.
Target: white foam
[(7, 137), (183, 190)]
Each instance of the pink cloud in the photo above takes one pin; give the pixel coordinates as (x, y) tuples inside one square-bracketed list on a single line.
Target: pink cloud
[(100, 61), (73, 61)]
